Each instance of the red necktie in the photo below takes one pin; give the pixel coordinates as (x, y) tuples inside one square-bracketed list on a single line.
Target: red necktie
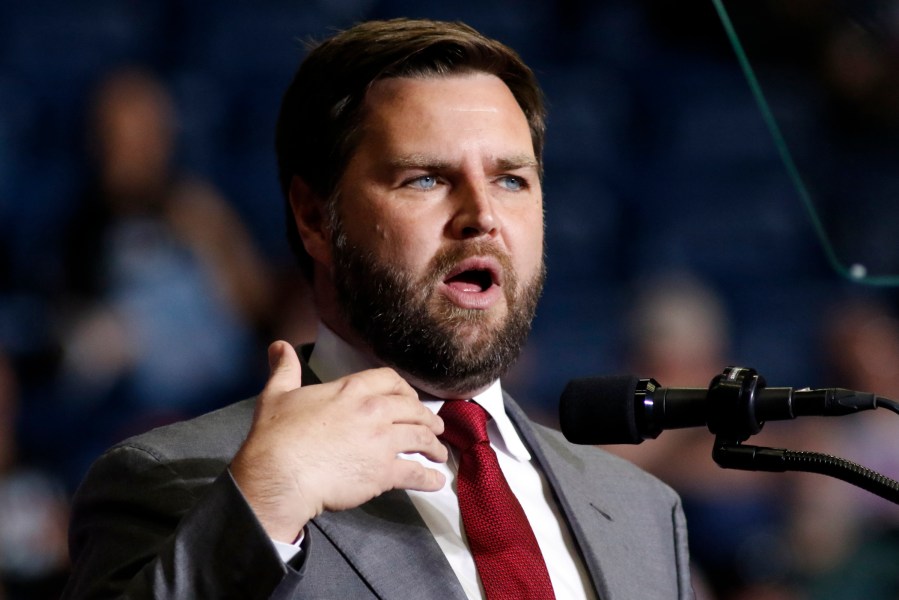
[(505, 551)]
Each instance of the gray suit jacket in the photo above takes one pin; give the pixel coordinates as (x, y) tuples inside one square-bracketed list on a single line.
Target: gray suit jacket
[(158, 516)]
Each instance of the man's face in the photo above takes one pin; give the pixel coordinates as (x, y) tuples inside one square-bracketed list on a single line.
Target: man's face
[(438, 230)]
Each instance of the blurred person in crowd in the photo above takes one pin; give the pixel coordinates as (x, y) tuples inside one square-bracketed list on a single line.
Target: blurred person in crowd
[(848, 539), (163, 289), (680, 336), (33, 512)]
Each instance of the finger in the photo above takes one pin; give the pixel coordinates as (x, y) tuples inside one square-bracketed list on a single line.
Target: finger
[(383, 393), (385, 380), (425, 416), (402, 410), (419, 439), (428, 418), (382, 381), (410, 475), (285, 372)]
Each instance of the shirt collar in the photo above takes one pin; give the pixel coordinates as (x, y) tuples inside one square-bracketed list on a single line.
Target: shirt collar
[(333, 358)]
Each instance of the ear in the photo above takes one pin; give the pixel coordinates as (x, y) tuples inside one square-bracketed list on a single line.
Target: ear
[(309, 215)]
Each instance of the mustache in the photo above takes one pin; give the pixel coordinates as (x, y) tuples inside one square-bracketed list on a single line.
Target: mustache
[(446, 259)]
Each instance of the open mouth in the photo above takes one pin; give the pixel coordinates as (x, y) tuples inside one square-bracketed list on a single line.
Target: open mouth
[(475, 275), (474, 280)]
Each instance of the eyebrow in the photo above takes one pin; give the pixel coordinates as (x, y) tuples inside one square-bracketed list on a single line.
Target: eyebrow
[(422, 161), (520, 161), (418, 161)]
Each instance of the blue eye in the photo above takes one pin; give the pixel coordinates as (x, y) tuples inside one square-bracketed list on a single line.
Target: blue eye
[(425, 182), (512, 183)]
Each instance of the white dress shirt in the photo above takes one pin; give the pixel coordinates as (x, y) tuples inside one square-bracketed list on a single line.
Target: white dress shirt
[(333, 358)]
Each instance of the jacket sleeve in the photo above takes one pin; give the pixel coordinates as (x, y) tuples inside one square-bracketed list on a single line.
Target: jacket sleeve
[(147, 528)]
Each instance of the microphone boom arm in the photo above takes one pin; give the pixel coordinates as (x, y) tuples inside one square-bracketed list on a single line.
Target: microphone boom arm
[(735, 455)]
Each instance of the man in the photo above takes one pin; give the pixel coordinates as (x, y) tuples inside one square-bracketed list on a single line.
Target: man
[(410, 157)]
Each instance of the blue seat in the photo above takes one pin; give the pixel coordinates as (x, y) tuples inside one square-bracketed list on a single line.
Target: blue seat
[(522, 24), (242, 42), (732, 224), (780, 328), (589, 116), (576, 334), (583, 227), (205, 109), (61, 49), (44, 195), (18, 121), (249, 178)]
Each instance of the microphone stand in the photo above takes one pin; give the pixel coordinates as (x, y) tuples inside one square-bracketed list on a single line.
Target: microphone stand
[(732, 397), (735, 455)]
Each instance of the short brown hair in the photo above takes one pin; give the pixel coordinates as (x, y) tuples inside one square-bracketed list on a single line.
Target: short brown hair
[(320, 116)]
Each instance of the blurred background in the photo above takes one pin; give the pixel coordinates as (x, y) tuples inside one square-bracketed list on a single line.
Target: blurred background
[(143, 265)]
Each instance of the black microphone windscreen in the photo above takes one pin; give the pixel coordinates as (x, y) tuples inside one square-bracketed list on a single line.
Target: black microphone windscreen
[(600, 410)]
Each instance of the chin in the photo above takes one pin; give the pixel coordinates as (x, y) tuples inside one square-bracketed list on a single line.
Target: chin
[(439, 391)]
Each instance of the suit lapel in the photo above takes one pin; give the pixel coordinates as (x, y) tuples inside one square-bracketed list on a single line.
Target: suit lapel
[(582, 510), (392, 549)]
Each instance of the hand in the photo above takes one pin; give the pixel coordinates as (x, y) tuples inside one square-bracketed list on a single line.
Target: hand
[(332, 446)]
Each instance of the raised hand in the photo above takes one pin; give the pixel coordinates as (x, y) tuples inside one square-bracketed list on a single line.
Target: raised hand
[(332, 446)]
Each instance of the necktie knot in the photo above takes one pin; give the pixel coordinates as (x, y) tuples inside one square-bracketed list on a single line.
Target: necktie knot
[(466, 424)]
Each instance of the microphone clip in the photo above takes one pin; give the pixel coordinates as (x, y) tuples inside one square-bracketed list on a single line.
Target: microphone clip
[(732, 404)]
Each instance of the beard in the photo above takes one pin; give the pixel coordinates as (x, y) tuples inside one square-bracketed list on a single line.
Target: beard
[(412, 327)]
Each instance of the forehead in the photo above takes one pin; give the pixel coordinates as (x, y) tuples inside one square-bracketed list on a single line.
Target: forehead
[(425, 85), (442, 116)]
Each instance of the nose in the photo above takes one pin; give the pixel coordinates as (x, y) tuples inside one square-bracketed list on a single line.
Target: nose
[(475, 213)]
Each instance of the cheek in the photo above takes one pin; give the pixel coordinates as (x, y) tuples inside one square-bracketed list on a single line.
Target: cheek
[(365, 228), (380, 233), (527, 245), (534, 261), (403, 243)]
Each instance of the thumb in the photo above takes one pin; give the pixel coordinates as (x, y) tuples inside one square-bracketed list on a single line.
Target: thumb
[(285, 372)]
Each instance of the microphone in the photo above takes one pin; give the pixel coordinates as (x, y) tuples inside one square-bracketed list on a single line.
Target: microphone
[(628, 410)]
